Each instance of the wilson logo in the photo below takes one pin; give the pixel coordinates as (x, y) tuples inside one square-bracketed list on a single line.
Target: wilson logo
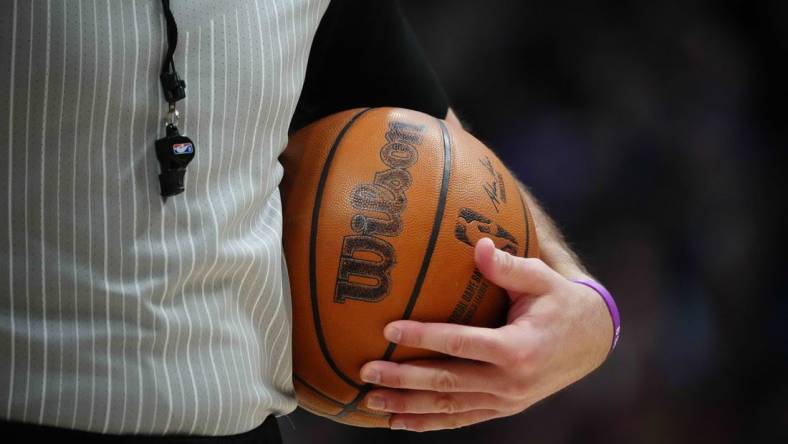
[(367, 257)]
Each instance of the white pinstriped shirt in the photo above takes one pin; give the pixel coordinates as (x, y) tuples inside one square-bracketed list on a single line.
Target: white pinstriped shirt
[(121, 313)]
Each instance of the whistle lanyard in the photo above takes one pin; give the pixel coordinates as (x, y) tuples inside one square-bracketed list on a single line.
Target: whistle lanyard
[(174, 151)]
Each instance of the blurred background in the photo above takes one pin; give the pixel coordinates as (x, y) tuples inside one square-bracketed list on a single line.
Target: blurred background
[(654, 133)]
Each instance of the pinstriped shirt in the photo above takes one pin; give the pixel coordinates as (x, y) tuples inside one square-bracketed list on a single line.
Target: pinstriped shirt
[(122, 313)]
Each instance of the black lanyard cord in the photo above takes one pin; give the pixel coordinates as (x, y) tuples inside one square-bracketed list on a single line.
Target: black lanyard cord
[(174, 87), (174, 150)]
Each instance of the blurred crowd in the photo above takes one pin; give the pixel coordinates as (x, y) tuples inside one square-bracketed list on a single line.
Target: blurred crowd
[(653, 133)]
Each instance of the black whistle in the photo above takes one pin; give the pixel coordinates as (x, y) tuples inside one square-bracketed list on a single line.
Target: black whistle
[(174, 153)]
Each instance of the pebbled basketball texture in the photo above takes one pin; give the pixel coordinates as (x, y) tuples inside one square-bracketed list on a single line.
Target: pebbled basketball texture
[(382, 208)]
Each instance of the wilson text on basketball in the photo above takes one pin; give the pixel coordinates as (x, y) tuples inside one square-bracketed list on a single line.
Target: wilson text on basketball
[(367, 258)]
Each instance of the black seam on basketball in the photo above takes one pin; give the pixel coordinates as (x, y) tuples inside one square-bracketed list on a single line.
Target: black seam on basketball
[(313, 255), (351, 406), (318, 392), (527, 227), (425, 263), (341, 413), (436, 227)]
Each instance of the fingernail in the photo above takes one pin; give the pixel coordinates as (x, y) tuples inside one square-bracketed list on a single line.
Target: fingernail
[(499, 255), (376, 403), (370, 375), (398, 425), (393, 334)]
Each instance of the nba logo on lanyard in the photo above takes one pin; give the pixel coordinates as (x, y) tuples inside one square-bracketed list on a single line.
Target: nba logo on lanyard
[(182, 148)]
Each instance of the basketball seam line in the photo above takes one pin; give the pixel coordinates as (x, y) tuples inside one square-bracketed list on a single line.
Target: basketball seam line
[(330, 399), (318, 392), (527, 226), (439, 214), (313, 255)]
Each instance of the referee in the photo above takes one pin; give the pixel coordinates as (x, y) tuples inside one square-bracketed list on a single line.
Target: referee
[(129, 317)]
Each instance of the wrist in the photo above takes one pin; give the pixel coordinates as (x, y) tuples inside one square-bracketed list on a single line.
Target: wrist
[(610, 303)]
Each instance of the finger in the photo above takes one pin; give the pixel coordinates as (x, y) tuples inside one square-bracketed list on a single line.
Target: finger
[(422, 401), (440, 376), (462, 341), (440, 421), (516, 274)]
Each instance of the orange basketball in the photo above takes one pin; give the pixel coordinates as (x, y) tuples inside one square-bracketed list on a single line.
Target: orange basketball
[(382, 208)]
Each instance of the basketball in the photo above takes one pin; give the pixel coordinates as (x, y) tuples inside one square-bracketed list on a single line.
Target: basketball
[(382, 209)]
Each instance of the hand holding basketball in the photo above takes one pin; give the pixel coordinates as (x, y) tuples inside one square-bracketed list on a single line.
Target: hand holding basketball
[(557, 332)]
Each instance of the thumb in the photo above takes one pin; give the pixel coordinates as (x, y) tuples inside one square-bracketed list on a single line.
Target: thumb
[(516, 274)]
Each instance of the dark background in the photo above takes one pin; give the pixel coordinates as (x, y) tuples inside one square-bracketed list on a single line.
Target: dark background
[(654, 133)]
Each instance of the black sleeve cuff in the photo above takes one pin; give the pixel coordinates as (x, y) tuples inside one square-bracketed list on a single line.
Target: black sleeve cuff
[(365, 54)]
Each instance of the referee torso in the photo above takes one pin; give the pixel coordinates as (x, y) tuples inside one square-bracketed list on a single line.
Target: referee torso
[(126, 314), (123, 313)]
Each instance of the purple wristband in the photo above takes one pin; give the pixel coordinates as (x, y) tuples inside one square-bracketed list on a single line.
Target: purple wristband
[(611, 306)]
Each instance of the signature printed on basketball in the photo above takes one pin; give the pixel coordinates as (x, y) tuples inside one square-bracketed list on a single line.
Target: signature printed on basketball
[(495, 188)]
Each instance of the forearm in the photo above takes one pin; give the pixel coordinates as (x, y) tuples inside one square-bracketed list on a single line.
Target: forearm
[(554, 250)]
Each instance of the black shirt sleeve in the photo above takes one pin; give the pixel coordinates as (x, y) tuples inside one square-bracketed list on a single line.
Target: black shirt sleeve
[(365, 54)]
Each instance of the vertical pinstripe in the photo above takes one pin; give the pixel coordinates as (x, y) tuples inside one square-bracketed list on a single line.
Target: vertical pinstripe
[(261, 354), (121, 263), (26, 209), (186, 51), (237, 250), (132, 122), (212, 212), (293, 53), (248, 185), (127, 314), (11, 297), (58, 264), (149, 86), (280, 90), (90, 230), (229, 389), (75, 410), (280, 81), (45, 354), (104, 218)]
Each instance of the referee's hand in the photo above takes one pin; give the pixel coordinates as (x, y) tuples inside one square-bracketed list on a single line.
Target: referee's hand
[(557, 332)]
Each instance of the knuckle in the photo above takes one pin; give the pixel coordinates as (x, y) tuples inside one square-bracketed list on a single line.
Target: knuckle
[(513, 358), (506, 263), (493, 343), (454, 423), (518, 358), (519, 389), (525, 356), (535, 264), (444, 381), (456, 345), (447, 403), (537, 350), (501, 389), (535, 267)]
